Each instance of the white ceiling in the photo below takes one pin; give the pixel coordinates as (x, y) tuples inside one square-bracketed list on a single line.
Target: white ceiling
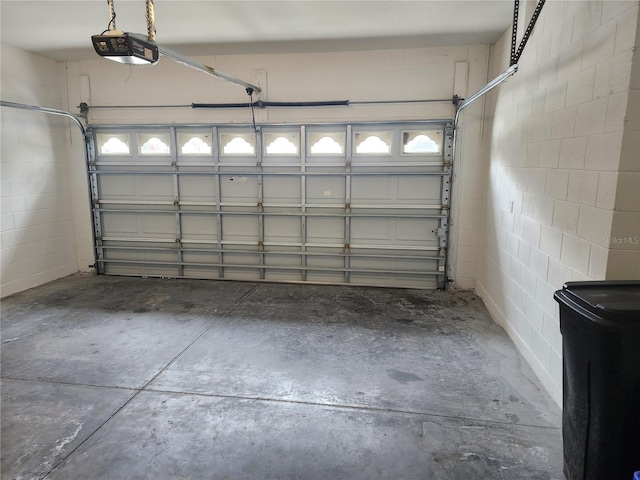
[(62, 29)]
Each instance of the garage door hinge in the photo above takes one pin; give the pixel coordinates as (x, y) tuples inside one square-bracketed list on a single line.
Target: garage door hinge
[(347, 248), (448, 132), (260, 207), (179, 242), (261, 246), (347, 207), (176, 204)]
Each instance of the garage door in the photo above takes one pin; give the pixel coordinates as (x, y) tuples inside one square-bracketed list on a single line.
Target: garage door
[(362, 204)]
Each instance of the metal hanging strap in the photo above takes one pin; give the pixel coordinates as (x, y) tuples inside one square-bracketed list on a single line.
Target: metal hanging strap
[(514, 31), (515, 55)]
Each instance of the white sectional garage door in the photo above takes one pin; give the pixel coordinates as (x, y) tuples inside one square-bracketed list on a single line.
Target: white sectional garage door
[(363, 204)]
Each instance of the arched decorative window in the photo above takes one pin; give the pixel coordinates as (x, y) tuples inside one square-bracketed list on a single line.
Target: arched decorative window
[(378, 143), (422, 141), (237, 144), (326, 144), (282, 143), (117, 144), (195, 144), (154, 144)]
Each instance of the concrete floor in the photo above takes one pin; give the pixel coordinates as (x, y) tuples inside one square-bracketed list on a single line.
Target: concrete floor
[(132, 378)]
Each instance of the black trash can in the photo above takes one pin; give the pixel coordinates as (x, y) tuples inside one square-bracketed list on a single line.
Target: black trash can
[(600, 325)]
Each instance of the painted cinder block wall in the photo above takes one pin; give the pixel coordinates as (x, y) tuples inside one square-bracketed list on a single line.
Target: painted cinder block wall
[(38, 232), (562, 189)]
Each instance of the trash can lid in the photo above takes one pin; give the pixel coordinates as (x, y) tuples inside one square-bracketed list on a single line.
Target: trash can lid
[(609, 300)]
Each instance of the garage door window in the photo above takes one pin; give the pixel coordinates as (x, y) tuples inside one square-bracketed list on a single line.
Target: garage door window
[(282, 143), (420, 142), (329, 144), (154, 144), (195, 144), (237, 144), (373, 143), (113, 144)]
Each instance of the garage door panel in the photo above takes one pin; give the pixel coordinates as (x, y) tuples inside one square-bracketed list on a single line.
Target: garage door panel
[(335, 260), (393, 264), (421, 188), (200, 260), (367, 230), (282, 229), (239, 187), (236, 258), (323, 189), (416, 231), (154, 255), (117, 187), (321, 277), (281, 189), (241, 228), (201, 272), (147, 269), (407, 280), (285, 269), (199, 257), (236, 205), (370, 278), (272, 258), (120, 224), (155, 187), (325, 230), (381, 189), (231, 273), (158, 225), (282, 276), (195, 188), (199, 227)]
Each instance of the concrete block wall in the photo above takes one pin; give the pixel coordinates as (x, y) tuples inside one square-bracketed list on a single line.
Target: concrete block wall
[(38, 231), (624, 242), (562, 180)]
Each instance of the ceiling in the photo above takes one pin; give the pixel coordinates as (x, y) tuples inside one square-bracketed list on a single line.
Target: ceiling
[(62, 29)]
